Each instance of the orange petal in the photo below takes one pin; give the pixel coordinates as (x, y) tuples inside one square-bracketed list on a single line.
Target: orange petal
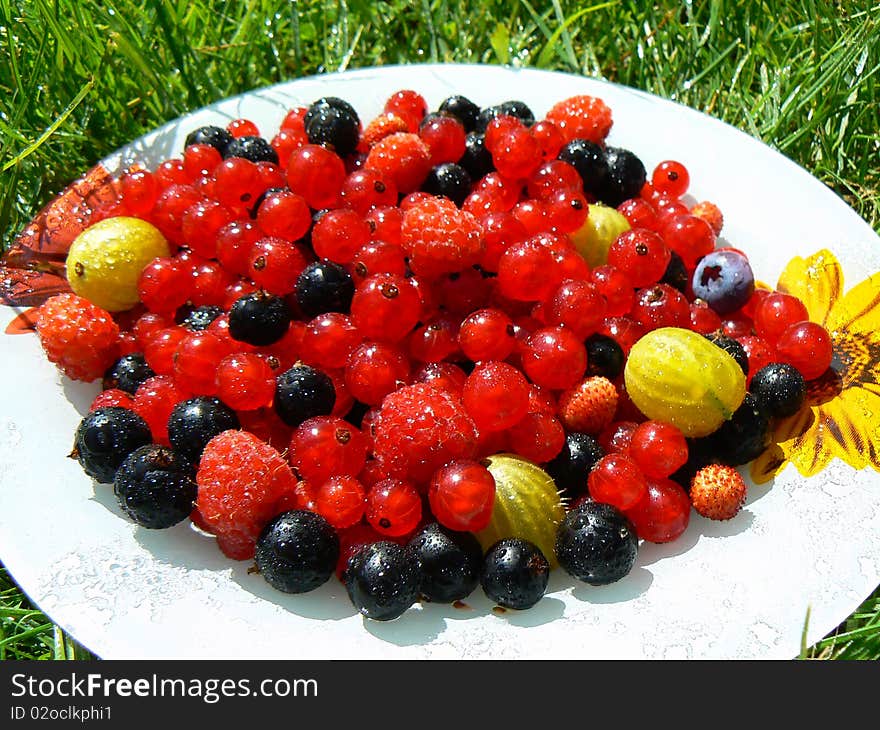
[(817, 281), (859, 311)]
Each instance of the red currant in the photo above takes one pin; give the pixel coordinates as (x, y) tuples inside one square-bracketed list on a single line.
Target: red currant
[(462, 495), (326, 446), (374, 370), (554, 358), (659, 449), (663, 513), (385, 307), (776, 312), (495, 396), (617, 480), (317, 174), (394, 507), (641, 255), (671, 178), (487, 334), (341, 501), (807, 346)]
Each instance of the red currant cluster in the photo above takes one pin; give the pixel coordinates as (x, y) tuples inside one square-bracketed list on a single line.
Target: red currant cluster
[(452, 309)]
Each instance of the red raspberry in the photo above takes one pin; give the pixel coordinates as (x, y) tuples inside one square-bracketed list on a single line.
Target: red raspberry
[(77, 336), (384, 125), (718, 492), (420, 428), (241, 480), (582, 117), (589, 406), (403, 158), (440, 239)]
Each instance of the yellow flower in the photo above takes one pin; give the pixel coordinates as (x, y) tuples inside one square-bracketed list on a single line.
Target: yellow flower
[(842, 415)]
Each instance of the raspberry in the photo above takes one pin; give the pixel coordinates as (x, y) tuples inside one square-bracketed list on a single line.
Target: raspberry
[(589, 406), (581, 117), (440, 239), (384, 125), (420, 428), (718, 492), (710, 213), (403, 158), (240, 479), (77, 336)]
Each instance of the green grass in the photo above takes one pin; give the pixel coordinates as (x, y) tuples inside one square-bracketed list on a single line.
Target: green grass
[(79, 78)]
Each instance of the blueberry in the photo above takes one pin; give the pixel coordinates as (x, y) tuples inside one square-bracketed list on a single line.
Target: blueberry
[(197, 319), (570, 468), (732, 347), (297, 551), (450, 180), (724, 280), (324, 286), (463, 109), (255, 149), (604, 356), (154, 487), (476, 160), (382, 580), (676, 273), (194, 422), (779, 389), (334, 128), (596, 543), (105, 437), (626, 177), (515, 573), (127, 373), (450, 562), (333, 102), (743, 437), (259, 318), (589, 160), (518, 109), (303, 392), (217, 137)]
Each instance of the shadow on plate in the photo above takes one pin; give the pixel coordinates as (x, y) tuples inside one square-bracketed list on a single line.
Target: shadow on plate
[(80, 395), (329, 602), (633, 585)]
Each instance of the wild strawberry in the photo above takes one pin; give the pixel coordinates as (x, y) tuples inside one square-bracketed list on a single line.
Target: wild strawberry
[(382, 126), (710, 213), (589, 406), (718, 492)]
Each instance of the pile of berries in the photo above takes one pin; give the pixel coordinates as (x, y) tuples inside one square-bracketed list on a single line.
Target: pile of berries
[(353, 319)]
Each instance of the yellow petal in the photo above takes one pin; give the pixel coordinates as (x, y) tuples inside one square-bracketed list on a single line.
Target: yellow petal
[(768, 465), (817, 281), (801, 440), (852, 427), (858, 312), (774, 459)]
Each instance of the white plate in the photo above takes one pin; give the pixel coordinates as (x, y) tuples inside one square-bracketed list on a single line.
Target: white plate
[(739, 589)]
